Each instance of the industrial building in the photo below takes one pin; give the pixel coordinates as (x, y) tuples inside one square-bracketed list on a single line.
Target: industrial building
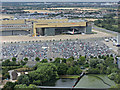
[(44, 27)]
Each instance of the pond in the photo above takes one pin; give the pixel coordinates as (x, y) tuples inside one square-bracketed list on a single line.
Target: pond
[(61, 83)]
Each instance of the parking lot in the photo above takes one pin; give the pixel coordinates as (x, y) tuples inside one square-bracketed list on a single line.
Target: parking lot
[(54, 49), (63, 46)]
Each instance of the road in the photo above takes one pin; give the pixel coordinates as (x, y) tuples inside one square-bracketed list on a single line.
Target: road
[(104, 30)]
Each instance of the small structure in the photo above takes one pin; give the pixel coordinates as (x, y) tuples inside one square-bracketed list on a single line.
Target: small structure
[(13, 74), (118, 62)]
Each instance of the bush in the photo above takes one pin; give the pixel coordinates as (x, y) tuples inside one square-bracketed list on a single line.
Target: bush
[(112, 76), (94, 71)]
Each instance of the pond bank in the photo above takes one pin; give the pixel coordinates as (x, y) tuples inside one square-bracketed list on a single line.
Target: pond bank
[(69, 76)]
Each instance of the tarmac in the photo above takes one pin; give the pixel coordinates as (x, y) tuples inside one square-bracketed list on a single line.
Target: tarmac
[(9, 39)]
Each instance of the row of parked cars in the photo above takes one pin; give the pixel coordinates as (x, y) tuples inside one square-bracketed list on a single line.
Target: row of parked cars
[(113, 39)]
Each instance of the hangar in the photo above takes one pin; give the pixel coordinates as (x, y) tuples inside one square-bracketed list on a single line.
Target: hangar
[(45, 27)]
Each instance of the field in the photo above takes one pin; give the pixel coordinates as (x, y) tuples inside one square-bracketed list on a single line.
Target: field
[(5, 16), (67, 8), (39, 11)]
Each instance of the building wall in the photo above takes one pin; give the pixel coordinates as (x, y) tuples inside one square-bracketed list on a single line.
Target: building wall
[(14, 32), (118, 38), (118, 62), (88, 28)]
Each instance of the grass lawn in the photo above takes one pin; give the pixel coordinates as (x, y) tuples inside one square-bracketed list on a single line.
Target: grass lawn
[(69, 76), (91, 81)]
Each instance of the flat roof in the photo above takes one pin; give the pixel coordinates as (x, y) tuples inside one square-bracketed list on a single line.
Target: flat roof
[(62, 24)]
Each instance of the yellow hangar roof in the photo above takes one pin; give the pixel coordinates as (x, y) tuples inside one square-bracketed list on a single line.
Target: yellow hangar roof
[(63, 24), (47, 20)]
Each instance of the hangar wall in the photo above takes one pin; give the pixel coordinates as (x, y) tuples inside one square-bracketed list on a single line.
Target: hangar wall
[(88, 28), (50, 31)]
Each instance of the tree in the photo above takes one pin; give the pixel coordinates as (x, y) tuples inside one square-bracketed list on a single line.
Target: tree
[(117, 78), (25, 59), (93, 63), (63, 60), (117, 87), (25, 86), (37, 59), (32, 86), (22, 62), (23, 79), (94, 71), (20, 86), (44, 61), (112, 76), (6, 62), (44, 73), (82, 60), (70, 71), (61, 68), (50, 59), (13, 59), (57, 60), (9, 86)]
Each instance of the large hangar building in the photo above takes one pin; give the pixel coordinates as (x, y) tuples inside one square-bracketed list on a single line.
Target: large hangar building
[(44, 27)]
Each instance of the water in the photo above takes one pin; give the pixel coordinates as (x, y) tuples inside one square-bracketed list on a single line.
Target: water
[(61, 83)]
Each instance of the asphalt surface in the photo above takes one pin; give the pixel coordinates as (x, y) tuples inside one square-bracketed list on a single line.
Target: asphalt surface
[(54, 49)]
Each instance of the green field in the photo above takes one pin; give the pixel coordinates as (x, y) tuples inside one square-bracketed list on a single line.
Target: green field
[(95, 81)]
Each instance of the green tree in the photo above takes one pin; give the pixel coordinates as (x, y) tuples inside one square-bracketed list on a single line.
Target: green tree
[(94, 71), (32, 86), (44, 73), (22, 62), (93, 63), (50, 59), (117, 78), (9, 86), (6, 62), (20, 86), (82, 60), (25, 59), (37, 59), (57, 60), (117, 87), (23, 79), (14, 59), (44, 61), (61, 68), (112, 76), (70, 71)]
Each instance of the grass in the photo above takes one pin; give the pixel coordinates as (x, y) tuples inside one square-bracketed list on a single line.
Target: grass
[(94, 32), (91, 81), (103, 30), (69, 76), (116, 26)]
